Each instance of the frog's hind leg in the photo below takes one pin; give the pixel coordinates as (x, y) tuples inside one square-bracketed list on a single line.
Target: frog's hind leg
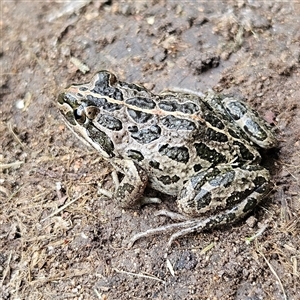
[(255, 128), (227, 194), (224, 218), (197, 225)]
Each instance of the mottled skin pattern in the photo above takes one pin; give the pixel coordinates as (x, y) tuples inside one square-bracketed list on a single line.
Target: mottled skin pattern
[(199, 149)]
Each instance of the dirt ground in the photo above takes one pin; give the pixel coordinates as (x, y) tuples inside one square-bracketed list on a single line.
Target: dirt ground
[(62, 240)]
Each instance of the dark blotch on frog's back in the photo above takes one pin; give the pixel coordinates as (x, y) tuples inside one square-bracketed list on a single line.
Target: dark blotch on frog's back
[(217, 136), (136, 155), (109, 122), (172, 105), (103, 103), (204, 152), (197, 167), (147, 135), (83, 88), (213, 120), (139, 116), (141, 102), (236, 109), (175, 123), (179, 154), (245, 154), (167, 180), (104, 85), (154, 164), (132, 86), (253, 129)]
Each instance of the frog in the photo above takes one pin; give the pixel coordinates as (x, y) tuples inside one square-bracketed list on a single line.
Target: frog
[(201, 149)]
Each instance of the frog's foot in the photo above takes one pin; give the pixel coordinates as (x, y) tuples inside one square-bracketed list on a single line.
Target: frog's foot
[(105, 193), (129, 192), (149, 200), (224, 218), (186, 222), (162, 229)]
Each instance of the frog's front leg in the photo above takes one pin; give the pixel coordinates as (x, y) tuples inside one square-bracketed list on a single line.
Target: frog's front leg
[(129, 192)]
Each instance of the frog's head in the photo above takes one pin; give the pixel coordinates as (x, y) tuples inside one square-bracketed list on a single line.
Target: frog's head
[(80, 110)]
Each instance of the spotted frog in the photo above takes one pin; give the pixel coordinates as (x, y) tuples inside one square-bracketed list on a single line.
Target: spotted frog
[(200, 148)]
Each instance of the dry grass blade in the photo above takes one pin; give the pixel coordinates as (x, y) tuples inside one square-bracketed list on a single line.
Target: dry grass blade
[(170, 267), (15, 136), (207, 248), (15, 164), (138, 275), (6, 269), (64, 206), (257, 234), (275, 274), (295, 266), (75, 273)]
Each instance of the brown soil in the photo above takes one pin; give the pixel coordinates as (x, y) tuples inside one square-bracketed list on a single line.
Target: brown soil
[(52, 248)]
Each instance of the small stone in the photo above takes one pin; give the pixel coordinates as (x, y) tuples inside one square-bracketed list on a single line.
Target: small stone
[(251, 221)]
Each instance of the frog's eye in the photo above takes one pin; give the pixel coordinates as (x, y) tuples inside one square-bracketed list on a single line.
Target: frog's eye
[(91, 112), (80, 116)]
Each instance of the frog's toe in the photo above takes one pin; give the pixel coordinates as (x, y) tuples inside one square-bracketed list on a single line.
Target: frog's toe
[(161, 229), (172, 215), (149, 200)]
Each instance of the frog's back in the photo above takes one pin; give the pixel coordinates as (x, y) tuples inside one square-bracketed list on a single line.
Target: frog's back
[(129, 121), (172, 135)]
